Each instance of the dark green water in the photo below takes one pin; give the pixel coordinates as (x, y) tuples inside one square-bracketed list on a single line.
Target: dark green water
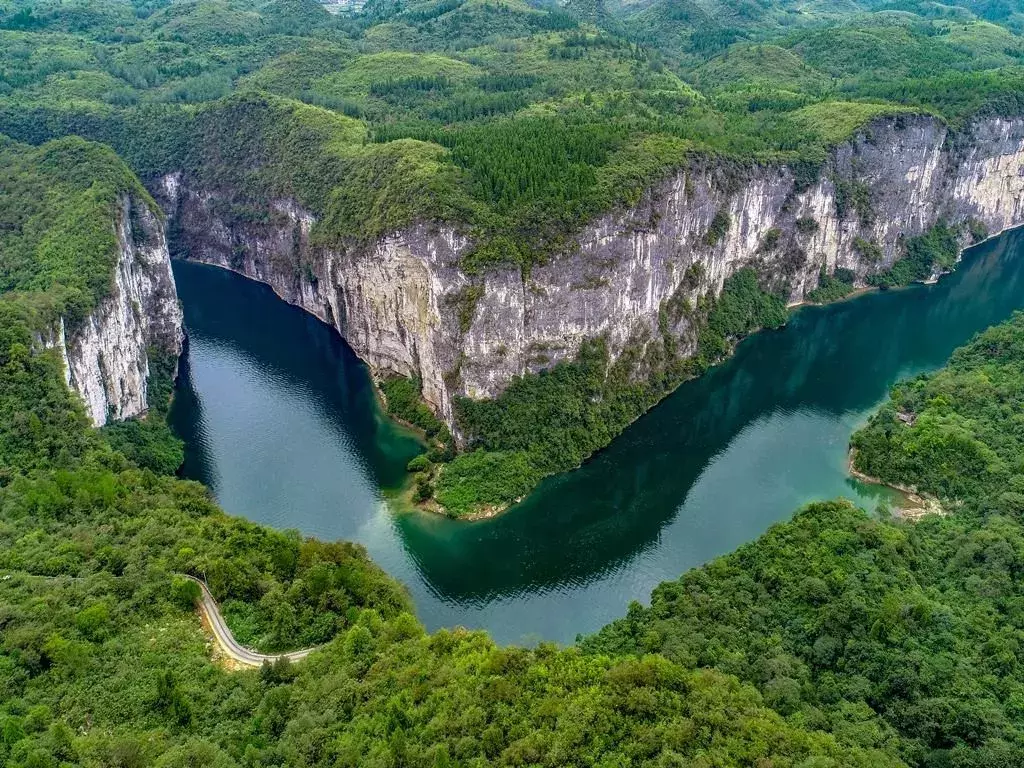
[(280, 421)]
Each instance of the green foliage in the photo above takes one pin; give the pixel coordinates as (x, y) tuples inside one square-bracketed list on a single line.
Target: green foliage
[(255, 148), (103, 660), (480, 480), (147, 442), (865, 625), (853, 196), (56, 205), (964, 442), (832, 287), (41, 423), (718, 228), (548, 122), (868, 643), (418, 464), (741, 309), (807, 225), (977, 230), (555, 416), (403, 399), (185, 592), (868, 250), (934, 251), (836, 121)]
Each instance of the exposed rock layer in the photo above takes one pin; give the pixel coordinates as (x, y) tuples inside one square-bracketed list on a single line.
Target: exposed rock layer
[(106, 358), (398, 301)]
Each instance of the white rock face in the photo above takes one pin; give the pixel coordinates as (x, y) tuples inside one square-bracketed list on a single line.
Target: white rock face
[(398, 301), (106, 358)]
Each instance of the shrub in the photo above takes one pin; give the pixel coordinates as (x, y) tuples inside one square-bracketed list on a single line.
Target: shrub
[(718, 228)]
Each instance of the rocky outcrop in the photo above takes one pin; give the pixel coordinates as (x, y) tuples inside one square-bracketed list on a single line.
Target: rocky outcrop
[(106, 357), (404, 305)]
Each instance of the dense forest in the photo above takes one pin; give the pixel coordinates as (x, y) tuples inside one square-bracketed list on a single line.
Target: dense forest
[(905, 634), (836, 639)]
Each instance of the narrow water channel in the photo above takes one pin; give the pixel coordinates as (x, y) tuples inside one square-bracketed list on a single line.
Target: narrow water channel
[(280, 421)]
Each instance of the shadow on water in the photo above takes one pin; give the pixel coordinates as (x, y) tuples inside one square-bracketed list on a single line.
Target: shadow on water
[(709, 468)]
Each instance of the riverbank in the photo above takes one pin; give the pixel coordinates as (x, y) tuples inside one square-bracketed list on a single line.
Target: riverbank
[(283, 427), (915, 505)]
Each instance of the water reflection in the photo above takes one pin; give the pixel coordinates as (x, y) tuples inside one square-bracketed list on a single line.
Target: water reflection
[(708, 469)]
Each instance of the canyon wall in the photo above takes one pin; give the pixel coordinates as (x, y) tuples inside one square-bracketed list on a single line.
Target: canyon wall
[(106, 357), (404, 305)]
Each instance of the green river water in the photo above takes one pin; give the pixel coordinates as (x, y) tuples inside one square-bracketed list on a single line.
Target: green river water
[(280, 421)]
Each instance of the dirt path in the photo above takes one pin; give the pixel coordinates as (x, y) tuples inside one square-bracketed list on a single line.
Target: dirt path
[(236, 654)]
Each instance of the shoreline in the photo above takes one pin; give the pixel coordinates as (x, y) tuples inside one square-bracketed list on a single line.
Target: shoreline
[(916, 502), (915, 505)]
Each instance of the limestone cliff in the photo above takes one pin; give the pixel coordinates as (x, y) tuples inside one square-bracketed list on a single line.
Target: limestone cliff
[(404, 305), (106, 358)]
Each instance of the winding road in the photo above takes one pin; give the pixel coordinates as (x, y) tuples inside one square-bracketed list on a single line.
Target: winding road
[(226, 642)]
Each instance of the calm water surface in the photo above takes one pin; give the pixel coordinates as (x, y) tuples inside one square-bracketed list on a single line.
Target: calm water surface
[(280, 421)]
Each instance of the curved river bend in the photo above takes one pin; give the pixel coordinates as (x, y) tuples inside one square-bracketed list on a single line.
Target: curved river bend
[(280, 421)]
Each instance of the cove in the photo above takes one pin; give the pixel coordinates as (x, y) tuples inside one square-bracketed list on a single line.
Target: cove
[(280, 420)]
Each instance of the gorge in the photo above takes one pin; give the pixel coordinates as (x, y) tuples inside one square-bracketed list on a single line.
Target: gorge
[(405, 306), (510, 354), (530, 570), (279, 420)]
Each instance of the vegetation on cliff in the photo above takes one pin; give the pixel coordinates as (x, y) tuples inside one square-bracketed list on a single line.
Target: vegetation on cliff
[(551, 421), (922, 257)]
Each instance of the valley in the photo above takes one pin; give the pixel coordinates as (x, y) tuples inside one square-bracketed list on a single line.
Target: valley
[(364, 367)]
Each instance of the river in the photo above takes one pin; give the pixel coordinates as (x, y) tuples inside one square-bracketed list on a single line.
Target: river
[(280, 421)]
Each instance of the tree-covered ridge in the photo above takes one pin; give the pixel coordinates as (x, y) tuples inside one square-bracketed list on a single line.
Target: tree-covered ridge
[(57, 210), (957, 433), (103, 661), (905, 634)]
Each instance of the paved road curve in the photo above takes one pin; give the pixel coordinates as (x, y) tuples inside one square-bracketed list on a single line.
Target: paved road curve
[(226, 641)]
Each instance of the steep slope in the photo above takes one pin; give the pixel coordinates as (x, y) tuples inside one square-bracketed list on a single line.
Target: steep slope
[(643, 279), (79, 227)]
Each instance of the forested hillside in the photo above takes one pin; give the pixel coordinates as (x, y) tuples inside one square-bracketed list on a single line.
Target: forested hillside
[(837, 639), (906, 634), (525, 122)]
